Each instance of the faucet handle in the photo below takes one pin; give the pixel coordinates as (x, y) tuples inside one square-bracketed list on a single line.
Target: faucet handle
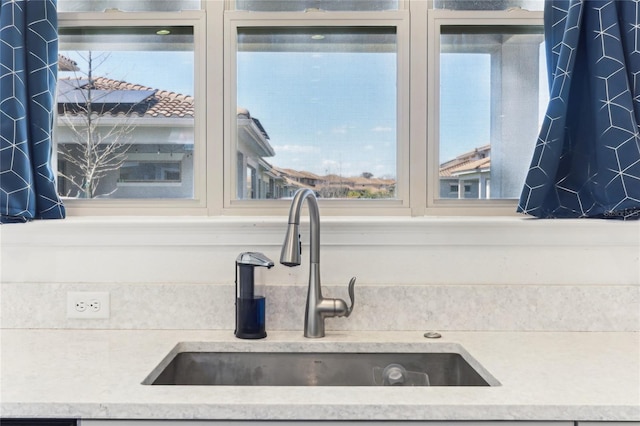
[(352, 296), (338, 307)]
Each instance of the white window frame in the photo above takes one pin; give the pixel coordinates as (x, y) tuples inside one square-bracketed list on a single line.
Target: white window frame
[(438, 18), (243, 19), (196, 205), (215, 29)]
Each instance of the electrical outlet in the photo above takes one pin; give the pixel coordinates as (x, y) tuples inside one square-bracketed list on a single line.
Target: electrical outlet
[(88, 304)]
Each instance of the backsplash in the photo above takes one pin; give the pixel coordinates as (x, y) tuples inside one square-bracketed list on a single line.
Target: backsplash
[(413, 273), (406, 307)]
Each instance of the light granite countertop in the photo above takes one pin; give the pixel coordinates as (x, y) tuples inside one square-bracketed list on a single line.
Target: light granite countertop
[(97, 374)]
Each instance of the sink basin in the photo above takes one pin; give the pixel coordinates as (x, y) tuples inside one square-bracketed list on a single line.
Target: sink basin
[(316, 369)]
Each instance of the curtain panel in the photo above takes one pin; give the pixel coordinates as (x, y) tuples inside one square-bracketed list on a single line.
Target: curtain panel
[(586, 162), (28, 74)]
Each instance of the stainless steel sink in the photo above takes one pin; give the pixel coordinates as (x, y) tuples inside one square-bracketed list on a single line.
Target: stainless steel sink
[(316, 369)]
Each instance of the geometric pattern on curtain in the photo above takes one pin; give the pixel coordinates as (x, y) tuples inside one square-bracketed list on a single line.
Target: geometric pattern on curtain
[(28, 73), (586, 162)]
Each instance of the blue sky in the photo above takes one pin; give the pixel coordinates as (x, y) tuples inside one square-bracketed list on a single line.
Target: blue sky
[(328, 113), (176, 68), (465, 114)]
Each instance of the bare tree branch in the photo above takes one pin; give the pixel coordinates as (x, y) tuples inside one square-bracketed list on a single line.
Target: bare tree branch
[(97, 149)]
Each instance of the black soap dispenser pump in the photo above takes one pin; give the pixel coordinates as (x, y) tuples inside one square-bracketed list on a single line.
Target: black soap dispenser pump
[(250, 302)]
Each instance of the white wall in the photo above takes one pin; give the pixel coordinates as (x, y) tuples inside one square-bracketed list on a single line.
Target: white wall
[(413, 273)]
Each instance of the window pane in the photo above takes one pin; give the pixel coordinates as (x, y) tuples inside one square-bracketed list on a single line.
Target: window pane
[(488, 4), (120, 120), (300, 5), (493, 94), (127, 5), (317, 109)]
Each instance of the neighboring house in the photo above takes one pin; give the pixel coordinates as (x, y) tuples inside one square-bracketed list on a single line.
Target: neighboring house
[(357, 186), (156, 144), (253, 170), (467, 175), (158, 134), (67, 64), (158, 140), (299, 178), (159, 163), (292, 180), (334, 186)]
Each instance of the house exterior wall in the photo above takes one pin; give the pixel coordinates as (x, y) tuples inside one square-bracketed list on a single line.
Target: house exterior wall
[(151, 141), (476, 184)]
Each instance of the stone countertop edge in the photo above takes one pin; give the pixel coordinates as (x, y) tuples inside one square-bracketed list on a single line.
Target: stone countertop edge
[(98, 374)]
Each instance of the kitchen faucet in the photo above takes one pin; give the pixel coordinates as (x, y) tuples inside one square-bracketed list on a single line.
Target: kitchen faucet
[(317, 308)]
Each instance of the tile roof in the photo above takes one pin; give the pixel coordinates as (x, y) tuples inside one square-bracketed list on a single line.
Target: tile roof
[(293, 177), (477, 160), (356, 180), (467, 166), (160, 103), (67, 64), (297, 174)]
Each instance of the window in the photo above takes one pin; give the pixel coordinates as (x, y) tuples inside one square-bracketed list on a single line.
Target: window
[(318, 101), (328, 96), (150, 171), (491, 80), (382, 107), (120, 122), (490, 94)]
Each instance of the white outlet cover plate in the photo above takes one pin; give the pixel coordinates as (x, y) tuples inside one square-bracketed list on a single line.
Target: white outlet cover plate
[(87, 297)]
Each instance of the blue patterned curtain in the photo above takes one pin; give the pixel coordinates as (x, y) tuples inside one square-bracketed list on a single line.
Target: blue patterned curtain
[(587, 159), (28, 72)]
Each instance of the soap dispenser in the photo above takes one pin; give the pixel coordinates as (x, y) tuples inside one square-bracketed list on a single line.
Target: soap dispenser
[(250, 300)]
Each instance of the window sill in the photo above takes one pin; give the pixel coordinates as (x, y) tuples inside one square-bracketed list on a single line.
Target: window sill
[(247, 231)]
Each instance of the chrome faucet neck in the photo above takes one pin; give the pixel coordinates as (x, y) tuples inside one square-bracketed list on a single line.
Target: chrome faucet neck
[(314, 220)]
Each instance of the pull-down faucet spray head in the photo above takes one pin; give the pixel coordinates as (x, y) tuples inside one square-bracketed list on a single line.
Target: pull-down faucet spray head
[(291, 248)]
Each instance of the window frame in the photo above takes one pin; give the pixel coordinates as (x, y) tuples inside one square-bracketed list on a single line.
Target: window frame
[(215, 26), (152, 206), (437, 18), (244, 19)]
